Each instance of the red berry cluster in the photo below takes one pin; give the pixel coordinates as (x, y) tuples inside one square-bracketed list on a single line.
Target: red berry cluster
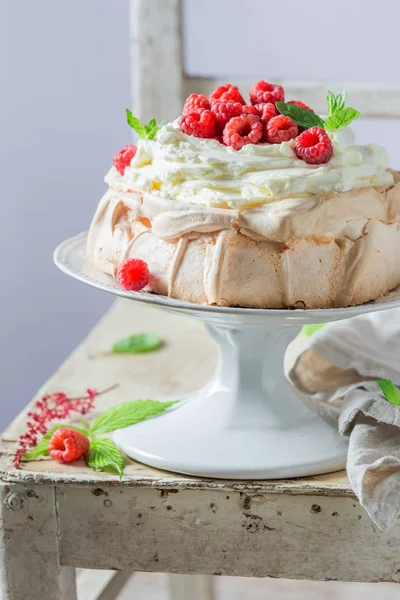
[(50, 407), (226, 117)]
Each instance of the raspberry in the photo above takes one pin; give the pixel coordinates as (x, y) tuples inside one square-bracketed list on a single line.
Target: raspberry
[(266, 111), (266, 92), (225, 111), (313, 146), (195, 103), (246, 129), (201, 125), (248, 108), (301, 104), (133, 274), (280, 129), (225, 93), (67, 445), (123, 158)]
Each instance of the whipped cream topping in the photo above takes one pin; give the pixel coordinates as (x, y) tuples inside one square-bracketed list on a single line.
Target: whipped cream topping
[(204, 172)]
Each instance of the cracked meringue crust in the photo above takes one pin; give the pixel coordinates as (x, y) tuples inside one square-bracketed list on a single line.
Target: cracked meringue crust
[(320, 251)]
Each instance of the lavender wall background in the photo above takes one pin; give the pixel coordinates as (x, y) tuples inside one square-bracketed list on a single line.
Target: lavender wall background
[(64, 77), (66, 66)]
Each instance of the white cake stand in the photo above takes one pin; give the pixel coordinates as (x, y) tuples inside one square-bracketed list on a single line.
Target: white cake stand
[(247, 423)]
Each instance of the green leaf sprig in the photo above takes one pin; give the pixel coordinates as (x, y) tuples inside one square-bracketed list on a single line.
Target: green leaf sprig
[(145, 132), (126, 414), (135, 344), (336, 103), (103, 454), (301, 116), (338, 115), (390, 391)]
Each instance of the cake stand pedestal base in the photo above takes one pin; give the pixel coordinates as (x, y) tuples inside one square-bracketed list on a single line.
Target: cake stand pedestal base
[(246, 424)]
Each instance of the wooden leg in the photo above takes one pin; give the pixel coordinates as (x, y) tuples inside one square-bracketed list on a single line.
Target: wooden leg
[(195, 587), (29, 562)]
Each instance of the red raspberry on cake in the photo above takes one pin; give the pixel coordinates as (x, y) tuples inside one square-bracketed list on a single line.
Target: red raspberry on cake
[(133, 274), (201, 125), (250, 109), (225, 93), (300, 104), (262, 91), (123, 158), (314, 146), (239, 131), (195, 103), (225, 111), (280, 129), (266, 111), (67, 445)]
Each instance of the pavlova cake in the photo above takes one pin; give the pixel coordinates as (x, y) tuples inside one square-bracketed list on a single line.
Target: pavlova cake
[(262, 204)]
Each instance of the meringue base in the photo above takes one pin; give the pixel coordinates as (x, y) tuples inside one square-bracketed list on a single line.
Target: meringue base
[(318, 252)]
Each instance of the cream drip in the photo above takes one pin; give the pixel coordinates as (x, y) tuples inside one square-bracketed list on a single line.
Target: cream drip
[(179, 167)]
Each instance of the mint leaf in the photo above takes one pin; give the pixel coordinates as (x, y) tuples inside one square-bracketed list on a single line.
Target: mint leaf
[(42, 447), (153, 129), (309, 330), (390, 391), (135, 124), (331, 98), (103, 454), (301, 116), (336, 103), (342, 118), (341, 101), (142, 342), (146, 132), (126, 414)]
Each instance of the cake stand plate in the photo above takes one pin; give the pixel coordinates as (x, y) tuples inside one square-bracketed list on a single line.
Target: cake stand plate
[(247, 423)]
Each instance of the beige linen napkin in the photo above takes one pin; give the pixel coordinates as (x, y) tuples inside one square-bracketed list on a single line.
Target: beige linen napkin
[(337, 369)]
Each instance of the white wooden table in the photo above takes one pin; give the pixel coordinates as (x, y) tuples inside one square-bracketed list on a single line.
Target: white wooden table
[(55, 518)]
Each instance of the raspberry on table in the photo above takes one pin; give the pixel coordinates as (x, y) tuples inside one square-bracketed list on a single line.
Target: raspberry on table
[(123, 158), (225, 93), (242, 130), (266, 111), (225, 111), (300, 104), (280, 129), (262, 91), (195, 103), (201, 125), (314, 146), (133, 274), (67, 445)]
